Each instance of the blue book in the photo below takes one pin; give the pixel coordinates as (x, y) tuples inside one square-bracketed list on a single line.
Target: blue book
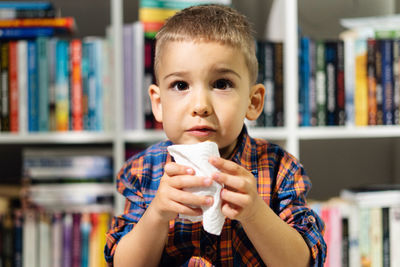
[(331, 82), (85, 84), (33, 94), (98, 75), (85, 239), (386, 48), (61, 86), (24, 33), (43, 84), (305, 75), (25, 5)]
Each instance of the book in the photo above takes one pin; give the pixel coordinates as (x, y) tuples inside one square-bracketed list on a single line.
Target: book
[(30, 240), (340, 112), (56, 239), (394, 232), (331, 81), (361, 84), (5, 115), (76, 85), (61, 86), (52, 63), (67, 240), (18, 237), (33, 91), (12, 13), (269, 105), (305, 78), (63, 23), (371, 77), (44, 239), (22, 86), (279, 85), (385, 47), (25, 5), (320, 83), (76, 240), (396, 81), (13, 86), (25, 33), (43, 83), (85, 236)]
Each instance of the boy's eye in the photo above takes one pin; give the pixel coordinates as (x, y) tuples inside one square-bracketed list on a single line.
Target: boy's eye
[(180, 86), (222, 84)]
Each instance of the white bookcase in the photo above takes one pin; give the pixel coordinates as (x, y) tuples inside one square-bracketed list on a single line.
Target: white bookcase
[(334, 157)]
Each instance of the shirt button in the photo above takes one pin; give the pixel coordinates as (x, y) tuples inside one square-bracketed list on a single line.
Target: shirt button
[(311, 219)]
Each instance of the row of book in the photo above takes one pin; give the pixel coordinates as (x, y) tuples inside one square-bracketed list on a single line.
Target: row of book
[(154, 13), (355, 81), (53, 84), (41, 238), (362, 227)]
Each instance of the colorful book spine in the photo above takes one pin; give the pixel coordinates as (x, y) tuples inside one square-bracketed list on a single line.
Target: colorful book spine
[(269, 84), (76, 85), (13, 86), (18, 238), (387, 80), (320, 83), (61, 85), (43, 83), (361, 84), (371, 77), (57, 239), (67, 240), (25, 5), (25, 33), (11, 13), (396, 82), (33, 91), (305, 74), (44, 239), (279, 84), (23, 86), (52, 43), (85, 237), (379, 86), (331, 81), (67, 23), (5, 115), (340, 112), (76, 240)]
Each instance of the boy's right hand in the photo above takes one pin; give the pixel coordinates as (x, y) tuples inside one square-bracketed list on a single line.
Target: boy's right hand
[(171, 199)]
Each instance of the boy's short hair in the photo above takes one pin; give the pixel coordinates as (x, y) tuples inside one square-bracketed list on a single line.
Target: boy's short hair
[(214, 23)]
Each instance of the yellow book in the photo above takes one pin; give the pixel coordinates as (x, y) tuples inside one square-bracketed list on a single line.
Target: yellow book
[(103, 223), (361, 84), (155, 14)]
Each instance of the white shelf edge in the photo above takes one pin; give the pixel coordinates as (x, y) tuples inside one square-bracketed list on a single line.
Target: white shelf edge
[(144, 136), (348, 132), (56, 138), (273, 134)]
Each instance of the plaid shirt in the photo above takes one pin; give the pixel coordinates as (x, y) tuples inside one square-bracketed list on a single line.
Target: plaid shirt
[(281, 182)]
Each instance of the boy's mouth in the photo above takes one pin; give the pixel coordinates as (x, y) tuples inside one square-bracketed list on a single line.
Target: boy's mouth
[(201, 131)]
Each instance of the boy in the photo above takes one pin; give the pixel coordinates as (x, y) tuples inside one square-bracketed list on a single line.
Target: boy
[(206, 70)]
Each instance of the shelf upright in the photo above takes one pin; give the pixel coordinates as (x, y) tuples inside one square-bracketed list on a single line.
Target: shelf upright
[(290, 59), (118, 142)]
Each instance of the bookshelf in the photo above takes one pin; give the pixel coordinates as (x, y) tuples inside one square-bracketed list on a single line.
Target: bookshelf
[(305, 143)]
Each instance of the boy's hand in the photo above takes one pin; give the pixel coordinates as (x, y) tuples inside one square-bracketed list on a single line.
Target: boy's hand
[(240, 199), (171, 199)]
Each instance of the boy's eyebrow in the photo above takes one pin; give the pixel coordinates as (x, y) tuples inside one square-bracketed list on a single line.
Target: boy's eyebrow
[(177, 73), (227, 70)]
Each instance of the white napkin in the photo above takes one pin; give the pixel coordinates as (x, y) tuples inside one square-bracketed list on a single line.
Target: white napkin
[(196, 156)]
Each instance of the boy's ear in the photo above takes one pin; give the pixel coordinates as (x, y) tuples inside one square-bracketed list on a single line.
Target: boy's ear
[(256, 104), (155, 97)]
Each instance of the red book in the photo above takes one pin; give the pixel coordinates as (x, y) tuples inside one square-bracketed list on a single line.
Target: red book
[(65, 23), (13, 86), (76, 85)]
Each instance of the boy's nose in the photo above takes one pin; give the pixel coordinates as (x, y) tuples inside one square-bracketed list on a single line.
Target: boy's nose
[(201, 103)]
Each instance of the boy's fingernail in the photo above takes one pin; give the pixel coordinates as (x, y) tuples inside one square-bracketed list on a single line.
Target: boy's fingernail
[(207, 181), (189, 171), (209, 200)]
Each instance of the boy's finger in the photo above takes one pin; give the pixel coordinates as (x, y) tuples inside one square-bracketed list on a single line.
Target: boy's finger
[(225, 166), (234, 182), (190, 199), (172, 169), (188, 181)]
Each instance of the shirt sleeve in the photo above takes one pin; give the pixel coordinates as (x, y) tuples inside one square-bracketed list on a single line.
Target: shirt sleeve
[(292, 187), (128, 184)]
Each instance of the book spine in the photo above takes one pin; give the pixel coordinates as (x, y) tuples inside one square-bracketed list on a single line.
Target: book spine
[(13, 86), (85, 84), (371, 74), (331, 82), (128, 76), (30, 240), (23, 86), (364, 236), (387, 81), (76, 240), (56, 239), (31, 13), (385, 237), (5, 127), (379, 86), (85, 236), (361, 84), (43, 84), (52, 83), (313, 89), (67, 23), (269, 84), (396, 82), (149, 50), (320, 84), (18, 238), (76, 85), (305, 74), (349, 78), (62, 90), (394, 232), (33, 94), (138, 74), (98, 76), (376, 236), (44, 240), (340, 89), (279, 85), (25, 5), (67, 240), (7, 239), (25, 33)]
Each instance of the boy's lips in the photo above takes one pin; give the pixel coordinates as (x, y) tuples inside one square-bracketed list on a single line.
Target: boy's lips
[(201, 131)]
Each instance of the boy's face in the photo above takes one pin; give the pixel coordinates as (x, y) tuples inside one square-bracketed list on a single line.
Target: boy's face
[(204, 94)]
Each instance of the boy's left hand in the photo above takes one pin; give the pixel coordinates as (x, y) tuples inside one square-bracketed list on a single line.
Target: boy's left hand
[(240, 199)]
